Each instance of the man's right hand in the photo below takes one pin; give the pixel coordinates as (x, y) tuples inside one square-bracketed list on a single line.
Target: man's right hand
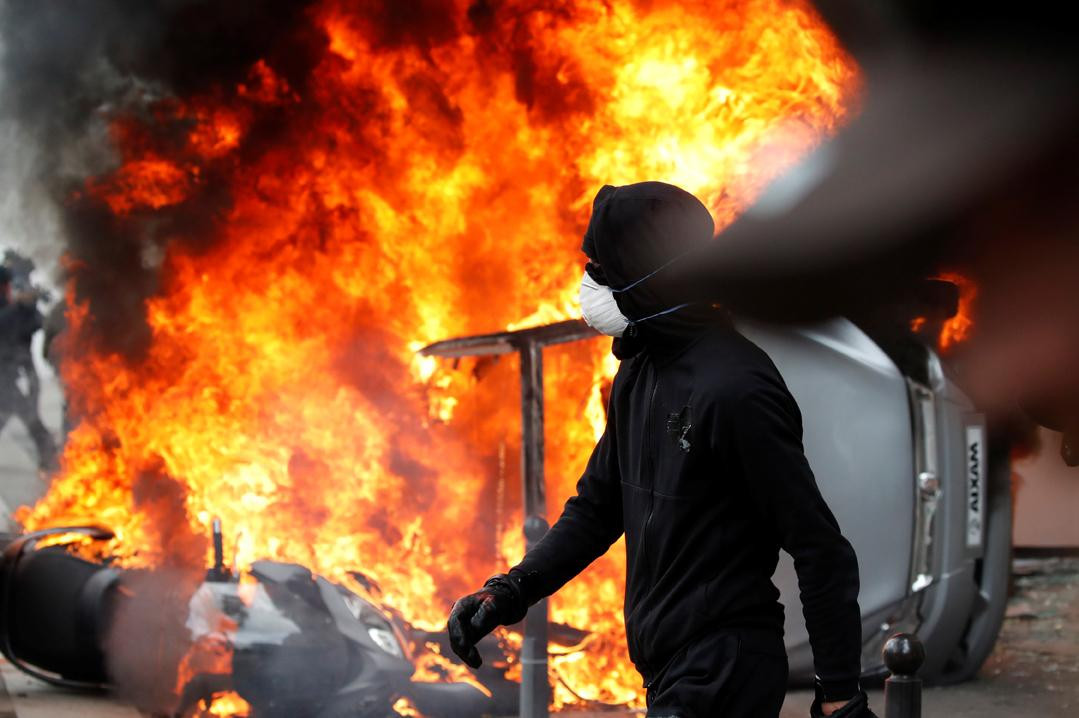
[(498, 603)]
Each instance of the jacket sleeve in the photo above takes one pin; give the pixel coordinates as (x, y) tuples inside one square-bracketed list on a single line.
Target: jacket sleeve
[(590, 522), (768, 431)]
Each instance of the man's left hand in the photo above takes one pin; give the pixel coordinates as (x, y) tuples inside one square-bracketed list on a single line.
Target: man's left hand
[(856, 707)]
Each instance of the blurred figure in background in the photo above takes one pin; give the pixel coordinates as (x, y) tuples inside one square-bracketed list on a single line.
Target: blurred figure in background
[(20, 319), (55, 326)]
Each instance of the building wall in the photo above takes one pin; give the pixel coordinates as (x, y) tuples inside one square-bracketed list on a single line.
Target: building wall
[(1047, 500)]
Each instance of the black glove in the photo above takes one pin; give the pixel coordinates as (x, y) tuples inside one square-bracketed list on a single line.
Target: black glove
[(856, 707), (500, 602)]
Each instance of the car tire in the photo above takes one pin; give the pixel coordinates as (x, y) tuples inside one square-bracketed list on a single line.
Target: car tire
[(992, 573)]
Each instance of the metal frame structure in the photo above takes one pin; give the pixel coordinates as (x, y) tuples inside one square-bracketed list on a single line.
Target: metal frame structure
[(529, 344)]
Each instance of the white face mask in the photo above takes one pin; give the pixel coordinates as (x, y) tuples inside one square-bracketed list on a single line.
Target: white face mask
[(599, 308)]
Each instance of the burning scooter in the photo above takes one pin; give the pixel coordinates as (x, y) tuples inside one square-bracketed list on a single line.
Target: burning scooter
[(285, 641)]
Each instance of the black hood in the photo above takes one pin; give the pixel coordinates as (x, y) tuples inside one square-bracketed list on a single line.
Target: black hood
[(635, 230)]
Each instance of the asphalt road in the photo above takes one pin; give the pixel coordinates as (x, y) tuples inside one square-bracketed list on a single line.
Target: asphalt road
[(1034, 670)]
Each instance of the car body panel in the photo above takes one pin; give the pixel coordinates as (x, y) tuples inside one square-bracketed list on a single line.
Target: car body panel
[(947, 605), (858, 436), (863, 438)]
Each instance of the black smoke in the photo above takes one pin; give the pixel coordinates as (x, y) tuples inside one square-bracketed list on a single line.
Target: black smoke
[(71, 69)]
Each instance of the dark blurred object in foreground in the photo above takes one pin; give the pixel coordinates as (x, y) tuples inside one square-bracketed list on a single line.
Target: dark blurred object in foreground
[(963, 157)]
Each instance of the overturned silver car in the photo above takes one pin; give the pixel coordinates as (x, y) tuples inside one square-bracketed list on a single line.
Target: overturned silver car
[(908, 467)]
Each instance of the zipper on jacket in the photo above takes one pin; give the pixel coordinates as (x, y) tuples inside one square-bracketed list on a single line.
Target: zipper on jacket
[(651, 469), (651, 464)]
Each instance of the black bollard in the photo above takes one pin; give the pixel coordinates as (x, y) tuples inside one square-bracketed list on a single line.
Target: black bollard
[(903, 656)]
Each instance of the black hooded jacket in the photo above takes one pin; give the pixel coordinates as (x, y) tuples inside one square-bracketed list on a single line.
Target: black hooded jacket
[(701, 467)]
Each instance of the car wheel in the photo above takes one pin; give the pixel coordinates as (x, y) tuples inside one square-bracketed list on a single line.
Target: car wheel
[(992, 573)]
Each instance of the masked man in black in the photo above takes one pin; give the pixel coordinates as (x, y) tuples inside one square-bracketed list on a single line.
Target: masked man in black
[(702, 467)]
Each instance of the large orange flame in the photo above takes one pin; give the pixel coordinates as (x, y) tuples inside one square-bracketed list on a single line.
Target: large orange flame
[(420, 193), (957, 329)]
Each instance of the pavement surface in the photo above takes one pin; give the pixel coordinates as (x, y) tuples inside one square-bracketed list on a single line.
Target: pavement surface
[(24, 697), (1034, 670)]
